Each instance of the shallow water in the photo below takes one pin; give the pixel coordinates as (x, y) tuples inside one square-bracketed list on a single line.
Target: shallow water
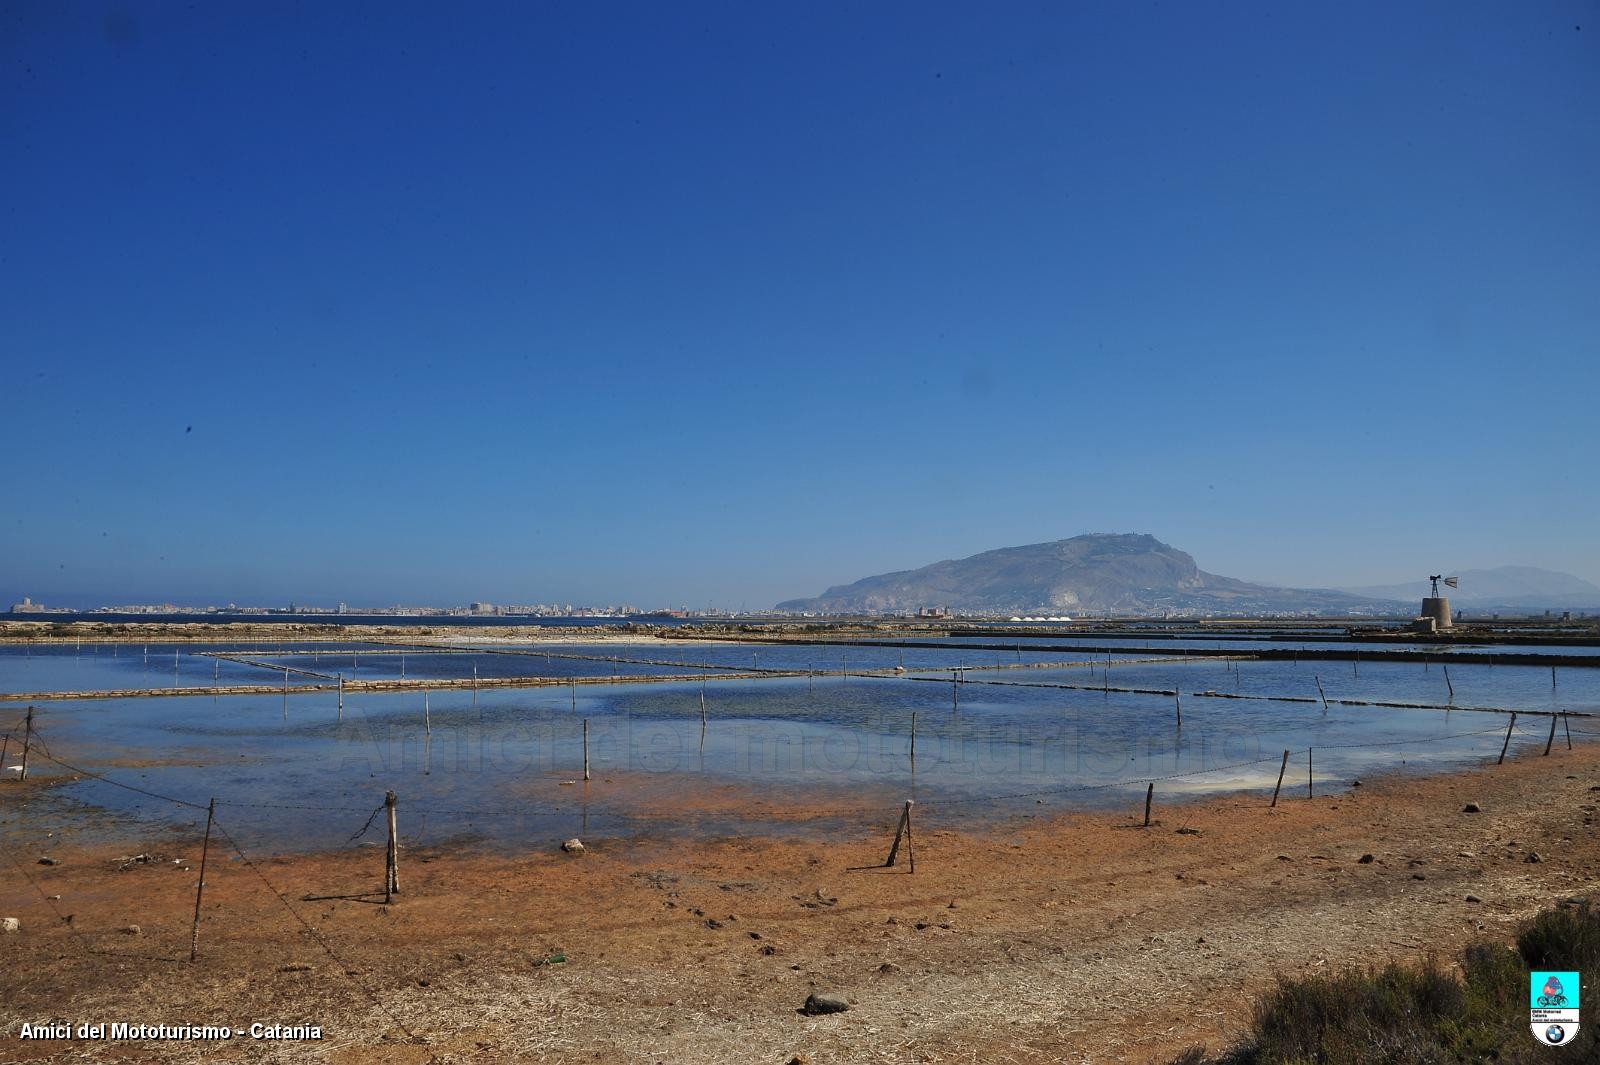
[(302, 774)]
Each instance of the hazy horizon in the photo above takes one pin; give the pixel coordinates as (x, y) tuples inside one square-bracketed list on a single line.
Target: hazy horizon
[(721, 305)]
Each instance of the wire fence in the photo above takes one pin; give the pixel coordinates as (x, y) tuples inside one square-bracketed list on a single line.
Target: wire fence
[(369, 817)]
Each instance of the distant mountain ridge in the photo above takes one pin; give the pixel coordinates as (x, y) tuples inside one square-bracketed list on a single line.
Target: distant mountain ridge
[(1125, 573), (1521, 587)]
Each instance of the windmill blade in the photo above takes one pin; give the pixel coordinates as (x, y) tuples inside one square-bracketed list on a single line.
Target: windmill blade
[(1453, 582)]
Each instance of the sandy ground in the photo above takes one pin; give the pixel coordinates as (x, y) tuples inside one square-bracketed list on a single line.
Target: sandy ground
[(1067, 937)]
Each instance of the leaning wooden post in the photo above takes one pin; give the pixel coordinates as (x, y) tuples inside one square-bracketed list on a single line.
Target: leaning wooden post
[(5, 748), (1503, 747), (27, 744), (1552, 739), (1322, 694), (955, 693), (1451, 688), (585, 748), (1150, 793), (1177, 702), (1564, 724), (1310, 792), (1279, 786), (391, 877), (913, 735), (899, 833), (199, 889), (341, 697), (427, 715)]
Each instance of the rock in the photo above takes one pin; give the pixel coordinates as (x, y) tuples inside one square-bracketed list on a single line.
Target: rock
[(712, 922), (573, 846), (47, 860), (1284, 858), (819, 1004), (1366, 859), (1473, 898), (295, 967), (10, 926), (798, 1059), (1472, 808), (1419, 876), (1533, 857), (130, 929)]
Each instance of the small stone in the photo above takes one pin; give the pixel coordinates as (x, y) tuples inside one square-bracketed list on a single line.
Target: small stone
[(1533, 858), (295, 967), (573, 846), (819, 1004), (767, 949), (1284, 858), (798, 1059), (1472, 808), (1366, 859), (1473, 898), (712, 922), (130, 929), (1419, 876), (47, 860), (10, 926), (754, 935), (1355, 783)]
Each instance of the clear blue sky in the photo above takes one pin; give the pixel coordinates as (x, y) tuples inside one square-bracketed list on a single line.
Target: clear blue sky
[(695, 303)]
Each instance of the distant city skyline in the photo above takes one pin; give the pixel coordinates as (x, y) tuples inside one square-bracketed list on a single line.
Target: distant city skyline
[(721, 304)]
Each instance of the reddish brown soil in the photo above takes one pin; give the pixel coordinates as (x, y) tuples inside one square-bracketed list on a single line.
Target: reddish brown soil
[(1072, 938)]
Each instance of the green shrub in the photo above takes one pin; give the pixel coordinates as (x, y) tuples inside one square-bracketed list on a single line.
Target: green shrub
[(1425, 1014)]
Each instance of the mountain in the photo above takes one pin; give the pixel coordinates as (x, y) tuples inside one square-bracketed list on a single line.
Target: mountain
[(1524, 587), (1120, 573)]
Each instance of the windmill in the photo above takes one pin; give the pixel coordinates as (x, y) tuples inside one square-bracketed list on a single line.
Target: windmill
[(1436, 608)]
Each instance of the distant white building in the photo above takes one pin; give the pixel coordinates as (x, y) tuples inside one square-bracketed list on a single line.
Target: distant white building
[(27, 606)]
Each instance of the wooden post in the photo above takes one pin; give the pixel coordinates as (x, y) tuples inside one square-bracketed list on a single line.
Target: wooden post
[(427, 715), (214, 664), (1552, 678), (586, 749), (27, 744), (1322, 694), (1549, 742), (1507, 744), (1564, 724), (911, 854), (1451, 688), (5, 748), (391, 873), (341, 697), (1177, 702), (702, 718), (1150, 794), (1279, 786), (902, 831), (955, 693), (1310, 792), (913, 735), (199, 889)]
